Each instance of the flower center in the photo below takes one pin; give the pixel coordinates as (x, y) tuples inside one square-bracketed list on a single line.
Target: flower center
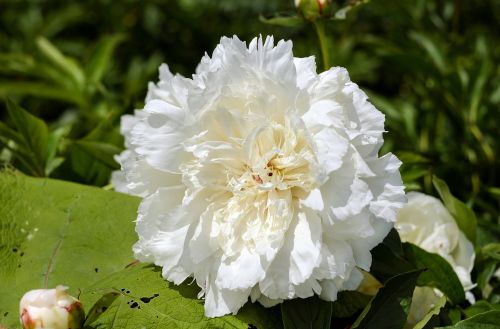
[(278, 158)]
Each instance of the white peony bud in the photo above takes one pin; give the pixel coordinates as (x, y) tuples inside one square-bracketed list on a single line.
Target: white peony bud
[(51, 309), (425, 222)]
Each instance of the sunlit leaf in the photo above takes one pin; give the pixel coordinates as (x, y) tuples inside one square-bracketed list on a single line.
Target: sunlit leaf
[(54, 232)]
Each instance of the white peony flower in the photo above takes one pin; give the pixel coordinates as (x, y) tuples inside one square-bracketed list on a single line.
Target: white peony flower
[(261, 178), (425, 222), (51, 309)]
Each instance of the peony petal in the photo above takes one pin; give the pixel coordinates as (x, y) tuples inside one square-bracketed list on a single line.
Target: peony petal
[(159, 137), (219, 301)]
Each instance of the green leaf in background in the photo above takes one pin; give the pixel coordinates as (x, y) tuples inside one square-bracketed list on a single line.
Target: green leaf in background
[(54, 140), (439, 273), (306, 313), (34, 135), (287, 21), (491, 250), (61, 62), (486, 320), (54, 232), (103, 152), (101, 58), (389, 309), (38, 89), (139, 297), (464, 216)]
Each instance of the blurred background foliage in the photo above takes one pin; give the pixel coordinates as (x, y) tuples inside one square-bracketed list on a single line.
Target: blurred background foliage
[(430, 66)]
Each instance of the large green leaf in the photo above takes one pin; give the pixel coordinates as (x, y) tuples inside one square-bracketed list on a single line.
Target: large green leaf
[(140, 297), (54, 232), (438, 274)]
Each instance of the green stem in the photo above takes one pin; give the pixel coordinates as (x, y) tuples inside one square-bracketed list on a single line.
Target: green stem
[(320, 31)]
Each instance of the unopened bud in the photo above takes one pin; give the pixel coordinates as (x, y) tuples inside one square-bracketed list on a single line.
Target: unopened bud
[(313, 9), (51, 308)]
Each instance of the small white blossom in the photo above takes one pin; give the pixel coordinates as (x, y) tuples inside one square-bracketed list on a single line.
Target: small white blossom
[(50, 309), (425, 222), (260, 177)]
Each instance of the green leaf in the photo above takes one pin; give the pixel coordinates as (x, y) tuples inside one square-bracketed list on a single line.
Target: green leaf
[(432, 48), (495, 191), (103, 152), (348, 303), (306, 313), (464, 216), (53, 143), (411, 158), (34, 134), (144, 299), (434, 311), (486, 320), (8, 133), (492, 250), (287, 21), (100, 60), (387, 258), (100, 306), (439, 273), (39, 90), (54, 232), (63, 63), (389, 309), (481, 307)]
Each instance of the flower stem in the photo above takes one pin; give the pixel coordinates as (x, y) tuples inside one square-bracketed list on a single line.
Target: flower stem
[(320, 31)]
